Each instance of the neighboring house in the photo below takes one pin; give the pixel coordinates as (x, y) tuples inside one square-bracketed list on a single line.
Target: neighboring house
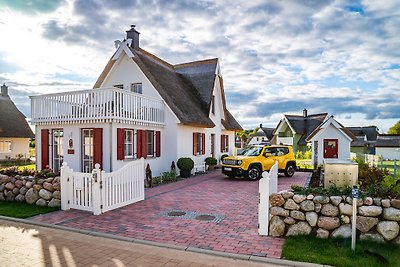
[(140, 106), (262, 136), (15, 132), (294, 129), (366, 138), (388, 146), (330, 140)]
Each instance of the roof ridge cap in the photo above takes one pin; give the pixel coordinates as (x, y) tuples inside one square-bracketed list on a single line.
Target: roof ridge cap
[(196, 62)]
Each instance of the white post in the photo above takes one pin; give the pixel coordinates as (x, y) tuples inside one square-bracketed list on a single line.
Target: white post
[(268, 184), (355, 194), (97, 205), (273, 176), (65, 183)]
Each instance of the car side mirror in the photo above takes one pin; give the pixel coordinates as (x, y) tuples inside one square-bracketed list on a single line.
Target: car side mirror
[(266, 154)]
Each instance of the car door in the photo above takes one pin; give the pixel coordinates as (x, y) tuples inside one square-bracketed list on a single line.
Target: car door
[(269, 161)]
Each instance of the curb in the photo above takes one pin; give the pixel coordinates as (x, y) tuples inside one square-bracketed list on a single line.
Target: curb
[(169, 246)]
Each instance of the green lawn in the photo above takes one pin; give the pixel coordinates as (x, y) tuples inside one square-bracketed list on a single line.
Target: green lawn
[(389, 165), (337, 252), (304, 164), (22, 210)]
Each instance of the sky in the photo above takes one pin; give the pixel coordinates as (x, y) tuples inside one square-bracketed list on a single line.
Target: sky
[(276, 57)]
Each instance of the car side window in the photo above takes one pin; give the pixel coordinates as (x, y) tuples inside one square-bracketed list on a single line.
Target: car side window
[(271, 150), (283, 151)]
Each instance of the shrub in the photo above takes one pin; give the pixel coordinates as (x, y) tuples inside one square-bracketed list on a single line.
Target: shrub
[(168, 176), (211, 161), (391, 185), (299, 155), (46, 173), (185, 164), (308, 154)]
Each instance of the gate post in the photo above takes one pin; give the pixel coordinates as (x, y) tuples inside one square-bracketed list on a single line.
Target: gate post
[(65, 184), (96, 187)]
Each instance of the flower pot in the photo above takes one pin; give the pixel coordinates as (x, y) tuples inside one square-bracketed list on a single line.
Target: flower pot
[(185, 174), (211, 167)]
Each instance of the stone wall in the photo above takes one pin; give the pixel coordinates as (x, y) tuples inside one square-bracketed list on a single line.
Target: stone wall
[(323, 216), (42, 192)]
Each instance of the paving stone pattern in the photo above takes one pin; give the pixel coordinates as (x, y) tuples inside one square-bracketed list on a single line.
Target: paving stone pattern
[(235, 200)]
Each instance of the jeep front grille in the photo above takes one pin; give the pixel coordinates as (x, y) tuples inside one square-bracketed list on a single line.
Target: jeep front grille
[(230, 161)]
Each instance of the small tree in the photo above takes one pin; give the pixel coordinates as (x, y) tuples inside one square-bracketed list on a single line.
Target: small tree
[(395, 129)]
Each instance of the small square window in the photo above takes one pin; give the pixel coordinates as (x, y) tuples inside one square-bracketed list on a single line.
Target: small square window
[(136, 88)]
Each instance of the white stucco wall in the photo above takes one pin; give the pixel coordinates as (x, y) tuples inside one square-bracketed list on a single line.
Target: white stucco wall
[(331, 132), (18, 146), (388, 152)]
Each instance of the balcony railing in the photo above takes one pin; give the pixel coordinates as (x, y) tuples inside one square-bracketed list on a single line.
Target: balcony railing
[(97, 106), (285, 140)]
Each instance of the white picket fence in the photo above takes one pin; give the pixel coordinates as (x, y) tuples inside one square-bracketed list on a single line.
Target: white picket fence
[(99, 191), (266, 186)]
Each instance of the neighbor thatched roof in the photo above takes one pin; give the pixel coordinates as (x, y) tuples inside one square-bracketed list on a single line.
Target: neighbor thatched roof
[(305, 125), (12, 121)]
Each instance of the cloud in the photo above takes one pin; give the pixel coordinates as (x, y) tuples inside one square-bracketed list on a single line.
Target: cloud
[(33, 6)]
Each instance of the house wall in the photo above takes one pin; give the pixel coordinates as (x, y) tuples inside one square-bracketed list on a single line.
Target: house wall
[(388, 152), (331, 132), (18, 146), (358, 149)]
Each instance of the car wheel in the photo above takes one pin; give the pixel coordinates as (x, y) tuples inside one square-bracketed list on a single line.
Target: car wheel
[(289, 170), (253, 173)]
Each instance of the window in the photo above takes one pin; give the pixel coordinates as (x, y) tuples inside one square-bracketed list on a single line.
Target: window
[(224, 143), (150, 143), (213, 105), (120, 86), (58, 149), (5, 146), (128, 143), (136, 88), (87, 150), (199, 144)]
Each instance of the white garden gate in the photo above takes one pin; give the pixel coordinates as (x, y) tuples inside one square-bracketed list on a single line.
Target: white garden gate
[(99, 191)]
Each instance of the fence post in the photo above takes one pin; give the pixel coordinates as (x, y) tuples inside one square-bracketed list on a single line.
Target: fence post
[(141, 177), (273, 176), (395, 168), (96, 178), (266, 184), (65, 183)]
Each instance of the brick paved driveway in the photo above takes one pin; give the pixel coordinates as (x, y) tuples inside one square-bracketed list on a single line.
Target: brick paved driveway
[(233, 203)]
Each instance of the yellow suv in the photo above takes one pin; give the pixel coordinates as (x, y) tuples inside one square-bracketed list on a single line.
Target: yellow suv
[(256, 159)]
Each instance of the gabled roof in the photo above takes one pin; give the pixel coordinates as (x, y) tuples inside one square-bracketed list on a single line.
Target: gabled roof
[(371, 132), (12, 121), (388, 140), (305, 125), (186, 88), (336, 124)]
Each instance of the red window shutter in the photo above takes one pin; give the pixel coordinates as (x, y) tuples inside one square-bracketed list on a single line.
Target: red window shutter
[(45, 148), (120, 143), (139, 143), (195, 144), (144, 143), (158, 143), (203, 143), (98, 146), (222, 143)]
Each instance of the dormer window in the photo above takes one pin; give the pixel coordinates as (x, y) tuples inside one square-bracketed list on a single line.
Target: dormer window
[(119, 86), (136, 88), (213, 105)]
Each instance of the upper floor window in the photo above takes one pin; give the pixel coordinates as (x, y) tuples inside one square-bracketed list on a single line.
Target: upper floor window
[(213, 105), (120, 86), (5, 146), (136, 88)]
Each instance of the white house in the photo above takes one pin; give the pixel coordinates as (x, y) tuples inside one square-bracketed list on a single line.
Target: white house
[(262, 136), (388, 146), (15, 132), (140, 106), (330, 140)]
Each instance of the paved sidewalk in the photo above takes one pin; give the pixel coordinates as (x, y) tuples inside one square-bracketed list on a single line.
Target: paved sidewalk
[(28, 245), (232, 204)]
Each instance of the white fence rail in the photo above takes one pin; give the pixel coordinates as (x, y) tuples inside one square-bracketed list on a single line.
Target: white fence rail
[(97, 105), (98, 191)]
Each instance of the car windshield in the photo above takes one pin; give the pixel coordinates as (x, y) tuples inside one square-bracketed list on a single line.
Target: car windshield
[(241, 151), (252, 151)]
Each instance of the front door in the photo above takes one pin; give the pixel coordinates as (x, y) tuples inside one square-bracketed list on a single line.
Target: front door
[(331, 148), (213, 145)]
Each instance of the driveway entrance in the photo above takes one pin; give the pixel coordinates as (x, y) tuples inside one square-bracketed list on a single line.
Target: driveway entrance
[(207, 211)]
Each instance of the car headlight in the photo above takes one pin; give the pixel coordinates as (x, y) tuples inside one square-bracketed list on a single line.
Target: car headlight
[(238, 162), (224, 161)]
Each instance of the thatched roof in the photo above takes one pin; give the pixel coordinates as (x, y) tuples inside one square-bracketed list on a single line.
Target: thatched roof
[(305, 125), (12, 121)]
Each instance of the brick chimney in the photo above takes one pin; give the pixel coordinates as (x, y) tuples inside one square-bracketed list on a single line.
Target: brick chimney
[(134, 35), (305, 113), (4, 90)]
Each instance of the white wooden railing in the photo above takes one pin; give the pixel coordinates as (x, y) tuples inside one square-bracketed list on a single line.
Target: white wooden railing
[(98, 191), (285, 140), (96, 106)]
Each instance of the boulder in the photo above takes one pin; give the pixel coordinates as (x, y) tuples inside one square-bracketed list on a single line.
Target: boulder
[(329, 210), (391, 214), (37, 187), (372, 211), (20, 198), (57, 194), (368, 201), (388, 229), (307, 205), (336, 200), (31, 196), (279, 211), (18, 184), (287, 194), (49, 180), (312, 218), (322, 233), (54, 203), (298, 215), (364, 224), (2, 187), (321, 199), (385, 203), (345, 219), (300, 228), (40, 181), (396, 240), (291, 205), (395, 203), (10, 186), (310, 197), (346, 209), (276, 226), (317, 207), (377, 201), (48, 186), (276, 200), (343, 231), (360, 202), (46, 195), (29, 184), (10, 196), (299, 198), (23, 190), (328, 223), (41, 202), (289, 220), (56, 186), (375, 237), (2, 197), (15, 191)]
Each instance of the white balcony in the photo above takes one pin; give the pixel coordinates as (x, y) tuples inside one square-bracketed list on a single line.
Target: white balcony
[(285, 141), (97, 106)]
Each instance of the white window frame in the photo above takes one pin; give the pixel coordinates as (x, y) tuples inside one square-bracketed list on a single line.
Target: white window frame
[(150, 143), (60, 149), (90, 145), (137, 88), (128, 144), (3, 146)]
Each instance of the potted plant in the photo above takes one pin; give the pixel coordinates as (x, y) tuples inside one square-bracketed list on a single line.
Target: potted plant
[(185, 166), (211, 162)]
